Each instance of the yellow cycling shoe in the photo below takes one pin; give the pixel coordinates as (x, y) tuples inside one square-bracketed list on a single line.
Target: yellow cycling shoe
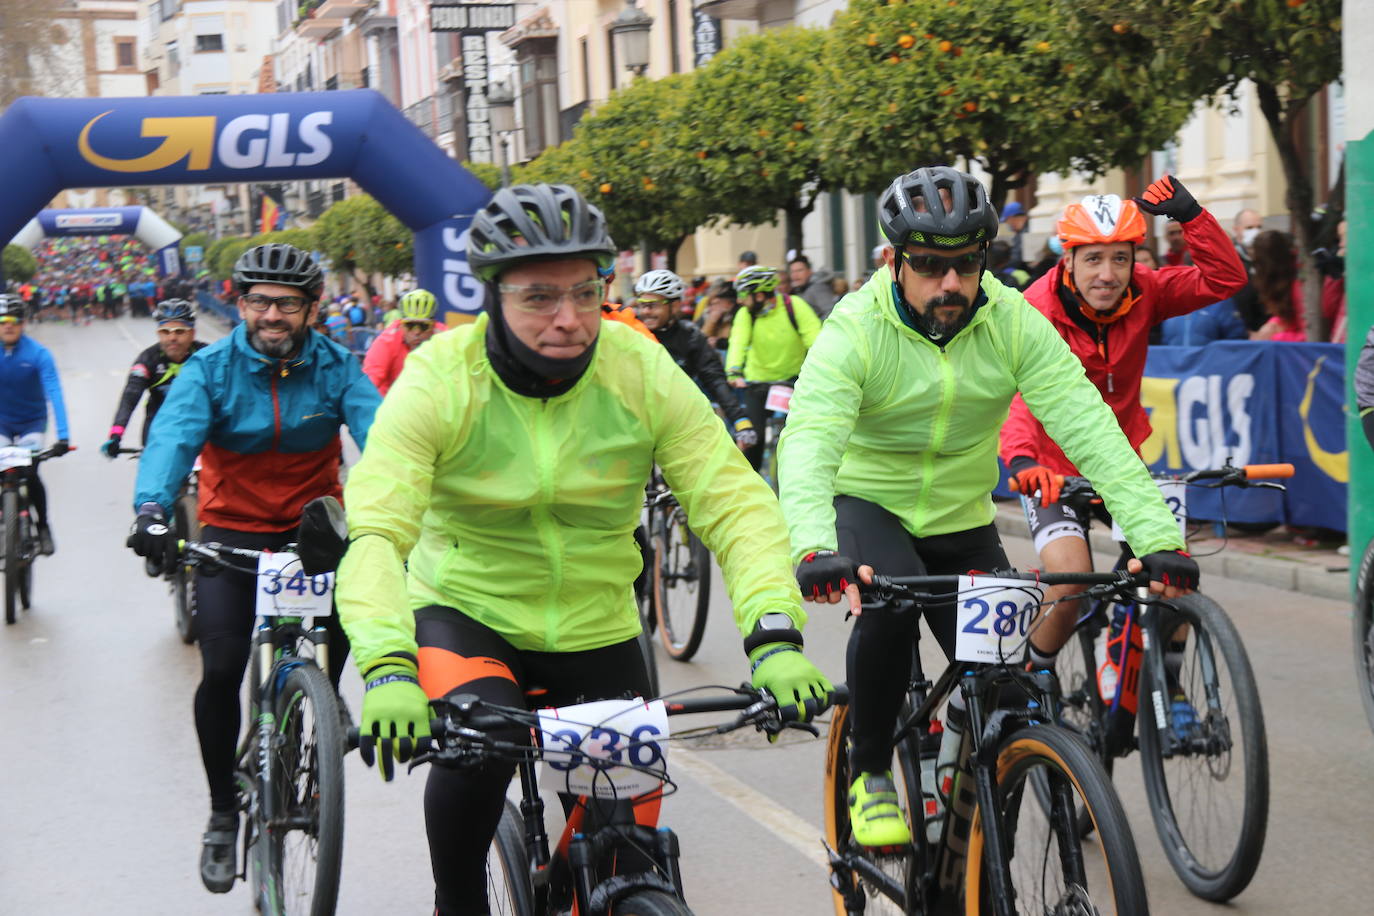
[(875, 816)]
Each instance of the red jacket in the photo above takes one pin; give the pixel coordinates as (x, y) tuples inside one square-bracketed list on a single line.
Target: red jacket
[(1116, 368), (387, 355)]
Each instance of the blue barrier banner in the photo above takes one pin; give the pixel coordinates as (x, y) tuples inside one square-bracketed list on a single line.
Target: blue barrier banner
[(47, 145), (442, 250), (1311, 410)]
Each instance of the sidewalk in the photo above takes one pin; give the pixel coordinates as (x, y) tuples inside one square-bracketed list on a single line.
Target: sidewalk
[(1271, 558)]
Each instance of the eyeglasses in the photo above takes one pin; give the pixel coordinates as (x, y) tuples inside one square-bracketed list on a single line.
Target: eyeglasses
[(539, 299), (933, 265), (287, 305), (10, 319), (419, 326), (645, 302)]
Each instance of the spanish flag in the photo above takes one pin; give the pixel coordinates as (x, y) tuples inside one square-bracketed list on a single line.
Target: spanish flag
[(271, 214)]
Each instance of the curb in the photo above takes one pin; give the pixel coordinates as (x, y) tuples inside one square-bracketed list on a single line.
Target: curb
[(1289, 575)]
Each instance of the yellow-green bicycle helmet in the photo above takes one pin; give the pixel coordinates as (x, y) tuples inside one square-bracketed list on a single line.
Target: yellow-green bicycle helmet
[(417, 305)]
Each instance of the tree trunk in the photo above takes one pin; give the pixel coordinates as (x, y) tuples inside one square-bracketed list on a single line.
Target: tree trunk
[(672, 249), (796, 212), (1299, 199)]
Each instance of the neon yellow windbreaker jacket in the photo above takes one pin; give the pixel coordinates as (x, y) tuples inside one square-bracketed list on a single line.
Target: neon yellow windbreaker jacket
[(882, 413), (767, 348), (520, 512)]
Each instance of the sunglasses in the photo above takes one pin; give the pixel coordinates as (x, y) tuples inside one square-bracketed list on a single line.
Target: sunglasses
[(287, 305), (10, 319), (933, 265), (649, 303), (418, 325)]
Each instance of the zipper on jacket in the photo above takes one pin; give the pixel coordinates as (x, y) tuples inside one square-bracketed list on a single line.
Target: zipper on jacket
[(276, 417), (937, 439), (543, 520)]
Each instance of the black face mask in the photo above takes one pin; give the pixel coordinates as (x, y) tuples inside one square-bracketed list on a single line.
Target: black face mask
[(523, 370)]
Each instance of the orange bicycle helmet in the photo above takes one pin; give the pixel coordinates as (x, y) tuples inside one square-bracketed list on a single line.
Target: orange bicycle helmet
[(1100, 219)]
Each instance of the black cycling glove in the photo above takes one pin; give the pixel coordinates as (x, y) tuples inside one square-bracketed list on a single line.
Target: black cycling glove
[(1172, 567), (824, 572), (148, 536)]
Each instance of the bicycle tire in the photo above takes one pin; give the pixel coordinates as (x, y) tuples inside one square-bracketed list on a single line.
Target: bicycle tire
[(1082, 709), (10, 508), (1221, 874), (835, 801), (681, 587), (309, 795), (1115, 885), (650, 903), (180, 577), (1363, 619), (508, 886), (28, 546)]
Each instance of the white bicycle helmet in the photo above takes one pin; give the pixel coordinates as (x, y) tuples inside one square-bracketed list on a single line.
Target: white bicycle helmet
[(663, 282)]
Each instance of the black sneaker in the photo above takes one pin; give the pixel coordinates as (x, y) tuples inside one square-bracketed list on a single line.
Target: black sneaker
[(218, 865), (45, 544)]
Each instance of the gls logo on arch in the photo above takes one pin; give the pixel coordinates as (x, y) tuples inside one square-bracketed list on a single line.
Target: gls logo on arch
[(247, 142)]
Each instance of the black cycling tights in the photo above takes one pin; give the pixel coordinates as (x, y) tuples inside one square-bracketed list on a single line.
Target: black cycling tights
[(224, 629), (38, 497), (463, 807), (878, 661)]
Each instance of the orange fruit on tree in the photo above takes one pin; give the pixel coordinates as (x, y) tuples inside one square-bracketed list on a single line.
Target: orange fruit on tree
[(946, 46), (605, 187), (906, 41), (872, 39), (798, 125), (948, 90), (970, 106), (1121, 28)]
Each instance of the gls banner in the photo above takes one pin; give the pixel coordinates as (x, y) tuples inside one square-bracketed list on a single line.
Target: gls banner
[(47, 145)]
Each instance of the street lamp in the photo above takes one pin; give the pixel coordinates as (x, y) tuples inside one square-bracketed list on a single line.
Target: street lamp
[(501, 105), (630, 32)]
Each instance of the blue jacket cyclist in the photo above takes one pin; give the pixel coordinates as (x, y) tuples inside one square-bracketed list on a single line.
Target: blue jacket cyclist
[(262, 408), (28, 379)]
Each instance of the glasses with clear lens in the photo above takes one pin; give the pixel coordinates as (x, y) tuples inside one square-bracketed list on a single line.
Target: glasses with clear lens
[(539, 299), (287, 305), (933, 265)]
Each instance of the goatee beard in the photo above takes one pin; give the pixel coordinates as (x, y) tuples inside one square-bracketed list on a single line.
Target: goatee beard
[(279, 349), (943, 328)]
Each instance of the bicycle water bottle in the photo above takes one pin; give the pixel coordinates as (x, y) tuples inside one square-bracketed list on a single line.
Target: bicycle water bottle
[(934, 808)]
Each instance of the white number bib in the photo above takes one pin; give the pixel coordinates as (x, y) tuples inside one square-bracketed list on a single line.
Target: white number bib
[(994, 617), (1175, 493), (779, 398), (622, 731), (15, 456), (285, 591)]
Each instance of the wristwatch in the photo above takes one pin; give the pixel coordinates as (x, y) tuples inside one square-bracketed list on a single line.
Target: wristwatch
[(773, 627)]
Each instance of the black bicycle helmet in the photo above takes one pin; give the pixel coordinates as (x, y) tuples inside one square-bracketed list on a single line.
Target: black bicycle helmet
[(279, 263), (11, 306), (536, 222), (911, 210), (174, 310)]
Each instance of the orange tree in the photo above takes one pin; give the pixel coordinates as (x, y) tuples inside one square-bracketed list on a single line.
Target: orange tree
[(1289, 49), (633, 159), (362, 239), (1019, 87), (754, 126)]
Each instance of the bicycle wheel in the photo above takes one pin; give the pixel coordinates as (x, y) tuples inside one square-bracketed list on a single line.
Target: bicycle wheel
[(898, 867), (1364, 633), (1210, 799), (179, 574), (508, 868), (305, 832), (10, 508), (1082, 710), (681, 586), (28, 547), (650, 903), (1052, 871)]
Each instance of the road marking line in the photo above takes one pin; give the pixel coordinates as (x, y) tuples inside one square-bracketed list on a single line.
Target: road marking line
[(119, 323), (785, 825)]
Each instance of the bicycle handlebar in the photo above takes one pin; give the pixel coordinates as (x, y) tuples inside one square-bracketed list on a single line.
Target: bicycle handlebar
[(909, 584), (1229, 474)]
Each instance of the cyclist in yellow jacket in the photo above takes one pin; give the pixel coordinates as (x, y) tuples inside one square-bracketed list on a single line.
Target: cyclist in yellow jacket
[(768, 342), (508, 465)]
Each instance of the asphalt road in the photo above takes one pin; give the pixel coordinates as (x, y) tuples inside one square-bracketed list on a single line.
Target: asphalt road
[(102, 798)]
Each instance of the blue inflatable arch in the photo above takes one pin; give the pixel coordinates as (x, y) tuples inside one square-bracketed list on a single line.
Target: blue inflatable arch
[(140, 222), (48, 145)]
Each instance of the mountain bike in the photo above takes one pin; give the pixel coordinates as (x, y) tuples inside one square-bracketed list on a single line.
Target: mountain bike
[(994, 850), (1201, 735), (612, 756), (290, 762), (1364, 632), (21, 534), (680, 582), (185, 523)]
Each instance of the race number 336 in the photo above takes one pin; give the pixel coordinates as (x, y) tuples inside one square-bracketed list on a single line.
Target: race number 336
[(994, 617), (609, 749), (285, 591)]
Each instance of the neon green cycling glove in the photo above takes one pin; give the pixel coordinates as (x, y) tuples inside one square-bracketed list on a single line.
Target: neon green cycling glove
[(799, 687), (395, 714)]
